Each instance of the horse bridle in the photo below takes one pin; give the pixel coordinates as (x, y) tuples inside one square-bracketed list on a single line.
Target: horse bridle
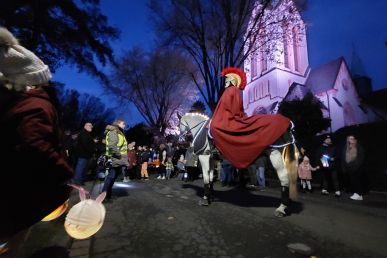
[(189, 129)]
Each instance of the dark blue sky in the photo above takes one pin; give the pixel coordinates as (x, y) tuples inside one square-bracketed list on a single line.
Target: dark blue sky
[(334, 27)]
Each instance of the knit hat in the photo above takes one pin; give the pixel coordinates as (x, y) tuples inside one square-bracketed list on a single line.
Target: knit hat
[(18, 65)]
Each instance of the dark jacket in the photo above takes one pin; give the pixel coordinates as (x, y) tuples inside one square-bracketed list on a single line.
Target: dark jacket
[(329, 151), (145, 155), (85, 146), (34, 170)]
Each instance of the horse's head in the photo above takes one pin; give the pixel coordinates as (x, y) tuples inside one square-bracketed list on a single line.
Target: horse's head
[(191, 123)]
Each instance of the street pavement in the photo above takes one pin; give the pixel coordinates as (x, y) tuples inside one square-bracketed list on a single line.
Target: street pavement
[(162, 218)]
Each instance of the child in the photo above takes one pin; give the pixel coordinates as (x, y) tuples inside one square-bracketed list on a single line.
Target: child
[(169, 167), (305, 174), (180, 166)]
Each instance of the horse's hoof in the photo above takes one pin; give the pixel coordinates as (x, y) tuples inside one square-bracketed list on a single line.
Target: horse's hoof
[(279, 214), (204, 202)]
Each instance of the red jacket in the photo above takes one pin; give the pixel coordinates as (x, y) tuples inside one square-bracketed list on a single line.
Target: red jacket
[(132, 159), (34, 170), (241, 139)]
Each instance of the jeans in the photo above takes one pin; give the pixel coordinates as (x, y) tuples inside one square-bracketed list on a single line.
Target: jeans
[(168, 173), (261, 176), (227, 175), (110, 179), (80, 170)]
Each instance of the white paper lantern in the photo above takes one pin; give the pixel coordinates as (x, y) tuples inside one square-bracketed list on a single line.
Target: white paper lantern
[(85, 218)]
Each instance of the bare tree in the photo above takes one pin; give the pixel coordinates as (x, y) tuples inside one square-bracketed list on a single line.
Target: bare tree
[(218, 34), (157, 83)]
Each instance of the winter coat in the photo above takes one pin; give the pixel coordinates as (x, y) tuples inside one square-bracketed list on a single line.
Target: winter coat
[(132, 159), (118, 151), (85, 146), (328, 151), (305, 171), (34, 169)]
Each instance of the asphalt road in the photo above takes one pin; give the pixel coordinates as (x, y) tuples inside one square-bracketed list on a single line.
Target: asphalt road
[(162, 218)]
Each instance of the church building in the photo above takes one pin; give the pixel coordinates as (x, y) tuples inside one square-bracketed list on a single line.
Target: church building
[(279, 70)]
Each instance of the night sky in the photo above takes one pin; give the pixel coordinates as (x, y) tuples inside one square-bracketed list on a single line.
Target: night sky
[(335, 28)]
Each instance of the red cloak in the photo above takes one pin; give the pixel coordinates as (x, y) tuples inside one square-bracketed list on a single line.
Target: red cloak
[(241, 139)]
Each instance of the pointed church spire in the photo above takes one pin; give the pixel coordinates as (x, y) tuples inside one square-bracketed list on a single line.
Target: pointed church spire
[(357, 67)]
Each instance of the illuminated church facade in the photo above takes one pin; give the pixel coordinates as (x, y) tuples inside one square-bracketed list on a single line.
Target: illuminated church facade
[(280, 70)]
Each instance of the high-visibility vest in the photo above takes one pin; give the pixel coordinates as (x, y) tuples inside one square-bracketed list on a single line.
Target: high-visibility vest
[(122, 144)]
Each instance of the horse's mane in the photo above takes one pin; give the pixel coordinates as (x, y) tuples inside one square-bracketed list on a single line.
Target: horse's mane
[(205, 117)]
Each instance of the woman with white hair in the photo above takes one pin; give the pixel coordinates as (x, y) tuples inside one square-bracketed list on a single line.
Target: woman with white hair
[(351, 162)]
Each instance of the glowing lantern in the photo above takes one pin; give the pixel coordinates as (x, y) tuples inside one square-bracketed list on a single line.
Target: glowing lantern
[(85, 218), (57, 212)]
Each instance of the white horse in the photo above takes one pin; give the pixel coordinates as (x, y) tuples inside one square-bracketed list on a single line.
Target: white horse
[(197, 125), (284, 163)]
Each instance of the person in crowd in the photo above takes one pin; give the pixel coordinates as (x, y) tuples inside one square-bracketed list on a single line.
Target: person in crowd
[(179, 150), (326, 154), (257, 172), (303, 153), (73, 150), (169, 167), (132, 161), (227, 173), (191, 163), (181, 167), (145, 156), (305, 174), (35, 172), (351, 163), (69, 146), (117, 150), (261, 165), (170, 149), (85, 149), (163, 160), (138, 162)]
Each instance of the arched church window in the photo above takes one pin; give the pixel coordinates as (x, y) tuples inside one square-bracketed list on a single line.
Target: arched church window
[(286, 46), (251, 95), (295, 49), (264, 60), (253, 66)]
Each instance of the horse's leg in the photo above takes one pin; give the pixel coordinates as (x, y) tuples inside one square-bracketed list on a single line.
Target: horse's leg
[(211, 179), (207, 179), (279, 166)]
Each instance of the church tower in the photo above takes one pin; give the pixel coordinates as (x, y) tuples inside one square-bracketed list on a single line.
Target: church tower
[(280, 58)]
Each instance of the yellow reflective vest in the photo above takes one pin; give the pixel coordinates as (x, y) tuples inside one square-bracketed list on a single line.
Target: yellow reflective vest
[(122, 144)]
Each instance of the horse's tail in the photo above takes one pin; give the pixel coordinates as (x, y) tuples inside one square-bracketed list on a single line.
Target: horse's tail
[(290, 156)]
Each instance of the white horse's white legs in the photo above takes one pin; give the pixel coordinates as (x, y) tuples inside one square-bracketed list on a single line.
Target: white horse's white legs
[(279, 165), (208, 176), (208, 172)]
